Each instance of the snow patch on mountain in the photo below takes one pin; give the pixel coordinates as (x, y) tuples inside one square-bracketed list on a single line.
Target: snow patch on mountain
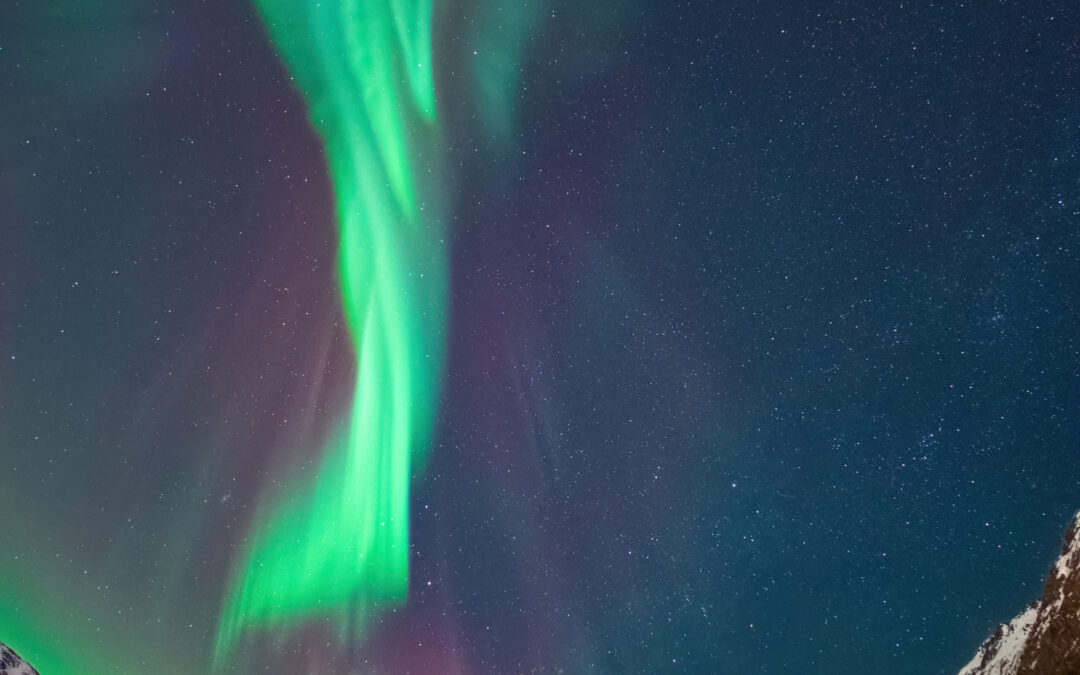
[(1000, 655), (11, 664)]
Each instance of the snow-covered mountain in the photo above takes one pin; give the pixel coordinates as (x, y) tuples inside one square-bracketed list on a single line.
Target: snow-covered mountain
[(11, 664), (1044, 639)]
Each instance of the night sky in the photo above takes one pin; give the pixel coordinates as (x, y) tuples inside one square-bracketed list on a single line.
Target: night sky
[(761, 335)]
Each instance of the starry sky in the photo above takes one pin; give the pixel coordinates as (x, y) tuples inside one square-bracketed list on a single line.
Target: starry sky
[(759, 350)]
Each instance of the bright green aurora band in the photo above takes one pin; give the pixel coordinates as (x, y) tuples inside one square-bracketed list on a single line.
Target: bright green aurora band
[(337, 547)]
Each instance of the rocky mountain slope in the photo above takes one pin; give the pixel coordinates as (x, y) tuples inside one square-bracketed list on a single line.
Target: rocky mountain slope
[(11, 664), (1044, 639)]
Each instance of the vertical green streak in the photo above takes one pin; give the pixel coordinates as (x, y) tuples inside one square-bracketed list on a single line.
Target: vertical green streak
[(338, 547)]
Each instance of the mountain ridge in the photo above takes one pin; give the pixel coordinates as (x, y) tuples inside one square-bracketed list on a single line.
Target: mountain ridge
[(12, 664), (1043, 639)]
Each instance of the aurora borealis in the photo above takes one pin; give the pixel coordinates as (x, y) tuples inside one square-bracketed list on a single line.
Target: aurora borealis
[(342, 546), (481, 337)]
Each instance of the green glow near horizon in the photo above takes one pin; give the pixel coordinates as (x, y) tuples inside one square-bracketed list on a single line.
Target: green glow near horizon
[(337, 547)]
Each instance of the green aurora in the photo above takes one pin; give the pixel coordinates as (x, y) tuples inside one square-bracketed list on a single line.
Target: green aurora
[(338, 548), (326, 548)]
